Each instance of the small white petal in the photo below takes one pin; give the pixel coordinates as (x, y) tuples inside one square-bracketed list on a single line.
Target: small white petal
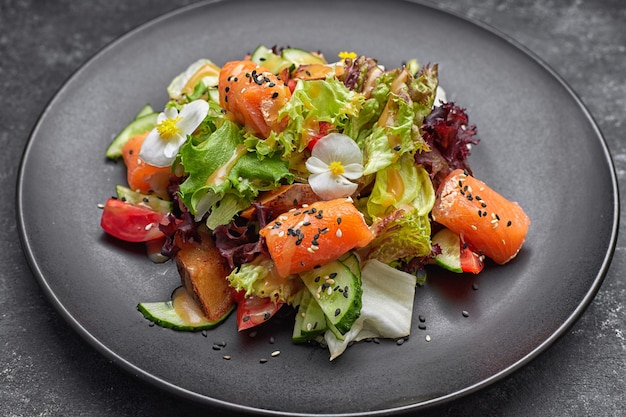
[(353, 171), (173, 145), (328, 186), (169, 113), (153, 150), (337, 147), (316, 165), (192, 115)]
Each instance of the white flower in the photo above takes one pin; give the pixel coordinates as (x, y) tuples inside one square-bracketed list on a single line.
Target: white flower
[(163, 142), (335, 160)]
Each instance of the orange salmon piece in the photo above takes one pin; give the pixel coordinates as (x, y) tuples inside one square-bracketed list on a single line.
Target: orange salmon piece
[(306, 237), (140, 175), (252, 96), (484, 219)]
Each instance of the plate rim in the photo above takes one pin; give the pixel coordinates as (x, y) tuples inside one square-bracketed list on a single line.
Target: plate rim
[(223, 405)]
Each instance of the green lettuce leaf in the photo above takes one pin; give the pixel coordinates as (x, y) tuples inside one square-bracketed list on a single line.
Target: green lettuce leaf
[(223, 177), (315, 101), (256, 278), (410, 100), (402, 226)]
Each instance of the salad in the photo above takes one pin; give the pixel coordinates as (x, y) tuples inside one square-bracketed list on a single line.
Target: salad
[(282, 180)]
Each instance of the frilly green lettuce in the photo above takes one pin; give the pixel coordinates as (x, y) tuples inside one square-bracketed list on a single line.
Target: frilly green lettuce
[(401, 199), (315, 101), (256, 278), (223, 177)]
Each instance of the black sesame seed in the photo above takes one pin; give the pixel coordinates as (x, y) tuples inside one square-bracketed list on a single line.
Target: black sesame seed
[(509, 223), (421, 326), (227, 89), (337, 312), (317, 279), (266, 315), (422, 318), (306, 224), (275, 94), (245, 318), (397, 148), (338, 220), (271, 84), (474, 286), (465, 313)]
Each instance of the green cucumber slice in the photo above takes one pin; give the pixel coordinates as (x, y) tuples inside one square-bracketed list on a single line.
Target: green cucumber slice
[(310, 320), (139, 125), (139, 199), (301, 57), (164, 314), (450, 256), (265, 57), (338, 292)]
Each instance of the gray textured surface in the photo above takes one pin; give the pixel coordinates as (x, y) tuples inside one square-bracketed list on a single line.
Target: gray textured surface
[(47, 370)]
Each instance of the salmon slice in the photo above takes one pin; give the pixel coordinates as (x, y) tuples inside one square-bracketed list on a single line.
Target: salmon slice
[(484, 219), (306, 237), (252, 96), (140, 175)]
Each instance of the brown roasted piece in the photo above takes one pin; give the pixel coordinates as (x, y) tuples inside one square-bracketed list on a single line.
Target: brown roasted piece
[(284, 198), (203, 272)]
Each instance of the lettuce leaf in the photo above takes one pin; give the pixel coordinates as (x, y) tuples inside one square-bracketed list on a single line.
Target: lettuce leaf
[(400, 203), (223, 178), (410, 100), (256, 278), (387, 309), (315, 101)]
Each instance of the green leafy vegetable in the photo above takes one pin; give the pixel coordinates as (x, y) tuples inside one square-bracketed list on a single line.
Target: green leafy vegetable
[(223, 177)]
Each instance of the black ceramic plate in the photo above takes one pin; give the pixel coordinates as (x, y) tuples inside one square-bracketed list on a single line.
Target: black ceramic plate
[(539, 146)]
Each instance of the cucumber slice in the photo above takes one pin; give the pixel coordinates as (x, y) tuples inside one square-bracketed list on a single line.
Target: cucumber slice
[(352, 262), (450, 256), (139, 125), (147, 109), (265, 57), (310, 320), (139, 199), (301, 57), (338, 292), (164, 314)]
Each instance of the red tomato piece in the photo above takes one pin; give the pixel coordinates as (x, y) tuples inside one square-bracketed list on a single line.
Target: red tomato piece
[(470, 260), (253, 310), (130, 223)]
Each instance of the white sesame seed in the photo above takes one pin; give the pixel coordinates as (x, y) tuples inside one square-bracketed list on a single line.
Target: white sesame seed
[(315, 247), (283, 218), (330, 281), (473, 227), (308, 327), (100, 205), (149, 226), (310, 249), (427, 338), (281, 233), (276, 352), (339, 233), (305, 205), (329, 290)]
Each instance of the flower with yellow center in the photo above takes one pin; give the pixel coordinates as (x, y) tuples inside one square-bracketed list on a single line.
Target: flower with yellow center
[(347, 55), (335, 160), (163, 142)]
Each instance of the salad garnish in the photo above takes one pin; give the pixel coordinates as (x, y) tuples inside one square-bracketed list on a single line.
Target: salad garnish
[(284, 181)]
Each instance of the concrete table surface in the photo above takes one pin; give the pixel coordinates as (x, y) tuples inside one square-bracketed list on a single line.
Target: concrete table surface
[(46, 369)]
